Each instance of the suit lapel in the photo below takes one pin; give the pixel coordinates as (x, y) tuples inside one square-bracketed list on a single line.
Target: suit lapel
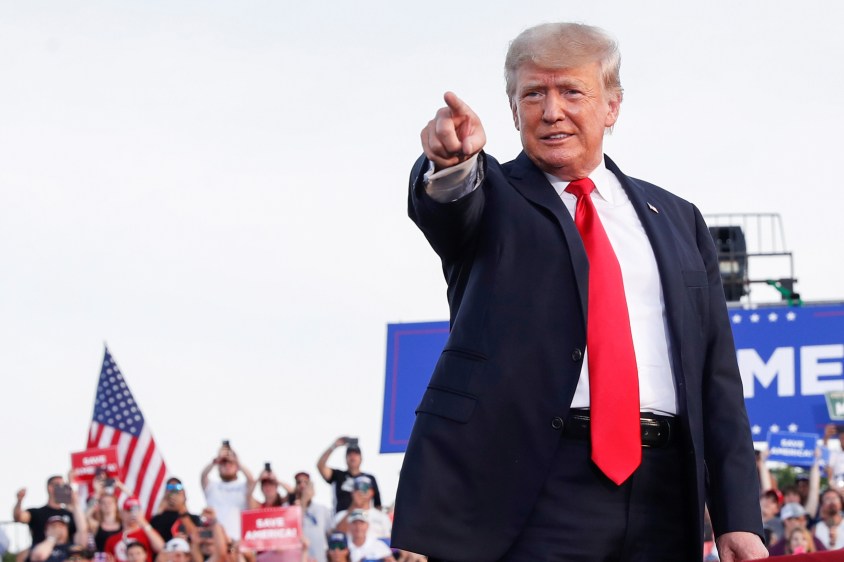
[(534, 186)]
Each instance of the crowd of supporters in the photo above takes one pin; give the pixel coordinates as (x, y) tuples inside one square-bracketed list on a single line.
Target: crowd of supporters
[(107, 524), (802, 517)]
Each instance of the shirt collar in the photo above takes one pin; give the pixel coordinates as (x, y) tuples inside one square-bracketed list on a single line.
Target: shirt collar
[(600, 176)]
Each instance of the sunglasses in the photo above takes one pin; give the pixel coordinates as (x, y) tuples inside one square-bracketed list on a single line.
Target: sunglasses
[(174, 487), (336, 545)]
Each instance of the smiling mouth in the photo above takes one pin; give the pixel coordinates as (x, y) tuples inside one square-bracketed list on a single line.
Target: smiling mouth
[(557, 136)]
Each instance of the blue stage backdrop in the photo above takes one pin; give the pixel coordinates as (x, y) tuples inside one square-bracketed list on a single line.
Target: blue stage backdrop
[(789, 358)]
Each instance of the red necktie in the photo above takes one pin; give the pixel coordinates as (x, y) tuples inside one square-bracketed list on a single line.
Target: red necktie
[(613, 377)]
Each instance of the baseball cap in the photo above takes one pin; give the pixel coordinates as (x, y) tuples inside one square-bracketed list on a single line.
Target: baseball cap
[(337, 541), (177, 545), (58, 519), (790, 510), (131, 503), (363, 483), (358, 515), (775, 495)]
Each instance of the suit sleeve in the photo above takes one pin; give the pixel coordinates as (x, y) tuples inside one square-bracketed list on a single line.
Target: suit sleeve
[(451, 228), (733, 486)]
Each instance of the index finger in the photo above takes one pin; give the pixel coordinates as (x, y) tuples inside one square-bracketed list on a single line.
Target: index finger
[(456, 105)]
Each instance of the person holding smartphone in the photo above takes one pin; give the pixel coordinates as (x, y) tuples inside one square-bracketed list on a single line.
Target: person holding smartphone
[(174, 518), (343, 481), (230, 494), (58, 503)]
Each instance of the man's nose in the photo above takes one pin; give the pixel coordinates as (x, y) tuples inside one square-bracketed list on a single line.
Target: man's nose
[(553, 109)]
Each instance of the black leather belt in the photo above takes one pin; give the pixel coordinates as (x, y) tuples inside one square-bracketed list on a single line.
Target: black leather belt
[(657, 431)]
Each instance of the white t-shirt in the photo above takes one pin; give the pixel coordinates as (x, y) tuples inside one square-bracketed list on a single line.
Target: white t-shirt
[(372, 549), (227, 499)]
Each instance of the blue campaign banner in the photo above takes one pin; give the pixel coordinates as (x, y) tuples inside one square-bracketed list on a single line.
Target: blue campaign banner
[(789, 357), (412, 352), (796, 449)]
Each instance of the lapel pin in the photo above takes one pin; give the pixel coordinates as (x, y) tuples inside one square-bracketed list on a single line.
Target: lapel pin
[(652, 208)]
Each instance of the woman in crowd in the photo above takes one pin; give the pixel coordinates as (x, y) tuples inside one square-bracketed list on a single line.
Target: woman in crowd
[(104, 520), (800, 541)]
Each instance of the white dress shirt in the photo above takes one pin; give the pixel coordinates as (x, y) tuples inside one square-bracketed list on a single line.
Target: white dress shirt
[(642, 286)]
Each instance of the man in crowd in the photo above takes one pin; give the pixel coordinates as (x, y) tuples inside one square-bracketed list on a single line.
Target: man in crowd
[(769, 503), (589, 383), (362, 545), (37, 518), (362, 499), (829, 529), (178, 550), (136, 552), (342, 481), (316, 518), (174, 517), (135, 530), (793, 515), (229, 495), (338, 548), (57, 539)]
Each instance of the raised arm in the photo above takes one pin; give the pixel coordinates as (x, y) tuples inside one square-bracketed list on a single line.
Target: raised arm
[(322, 462), (454, 135), (19, 514), (206, 471)]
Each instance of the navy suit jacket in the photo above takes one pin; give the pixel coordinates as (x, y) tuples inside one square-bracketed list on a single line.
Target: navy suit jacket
[(517, 276)]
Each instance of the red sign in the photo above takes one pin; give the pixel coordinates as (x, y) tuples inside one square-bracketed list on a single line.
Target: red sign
[(86, 463), (273, 528)]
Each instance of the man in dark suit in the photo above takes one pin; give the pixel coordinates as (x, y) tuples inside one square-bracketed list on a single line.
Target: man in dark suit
[(588, 402)]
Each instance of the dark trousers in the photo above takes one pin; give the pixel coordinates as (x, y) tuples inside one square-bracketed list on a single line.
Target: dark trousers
[(581, 516)]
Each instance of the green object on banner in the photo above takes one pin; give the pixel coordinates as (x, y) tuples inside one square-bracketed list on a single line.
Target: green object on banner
[(835, 404)]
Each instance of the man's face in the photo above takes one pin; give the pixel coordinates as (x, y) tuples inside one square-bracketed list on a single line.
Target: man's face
[(358, 531), (228, 469), (136, 554), (793, 523), (353, 461), (58, 531), (561, 115), (830, 504), (769, 506), (52, 485), (175, 495), (302, 483)]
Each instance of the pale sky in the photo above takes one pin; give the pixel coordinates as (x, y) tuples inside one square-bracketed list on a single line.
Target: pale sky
[(218, 190)]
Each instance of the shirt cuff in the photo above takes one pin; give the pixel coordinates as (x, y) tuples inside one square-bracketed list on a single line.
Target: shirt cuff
[(450, 184)]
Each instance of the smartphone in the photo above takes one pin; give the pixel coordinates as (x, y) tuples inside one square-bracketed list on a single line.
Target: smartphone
[(267, 467), (63, 494), (206, 533), (109, 483), (352, 442), (227, 444)]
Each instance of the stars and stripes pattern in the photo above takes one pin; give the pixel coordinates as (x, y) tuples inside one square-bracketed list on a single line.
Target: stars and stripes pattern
[(118, 421)]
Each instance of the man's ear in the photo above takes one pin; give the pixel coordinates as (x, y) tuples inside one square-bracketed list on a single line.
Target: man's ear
[(614, 108), (515, 109)]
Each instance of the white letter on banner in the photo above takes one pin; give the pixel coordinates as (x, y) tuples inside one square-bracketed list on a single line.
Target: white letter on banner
[(779, 366), (812, 368)]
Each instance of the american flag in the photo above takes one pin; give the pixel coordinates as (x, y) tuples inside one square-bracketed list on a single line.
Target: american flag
[(118, 421)]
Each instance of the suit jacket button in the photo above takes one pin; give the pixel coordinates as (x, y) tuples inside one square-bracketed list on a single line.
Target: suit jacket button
[(557, 423), (576, 355)]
